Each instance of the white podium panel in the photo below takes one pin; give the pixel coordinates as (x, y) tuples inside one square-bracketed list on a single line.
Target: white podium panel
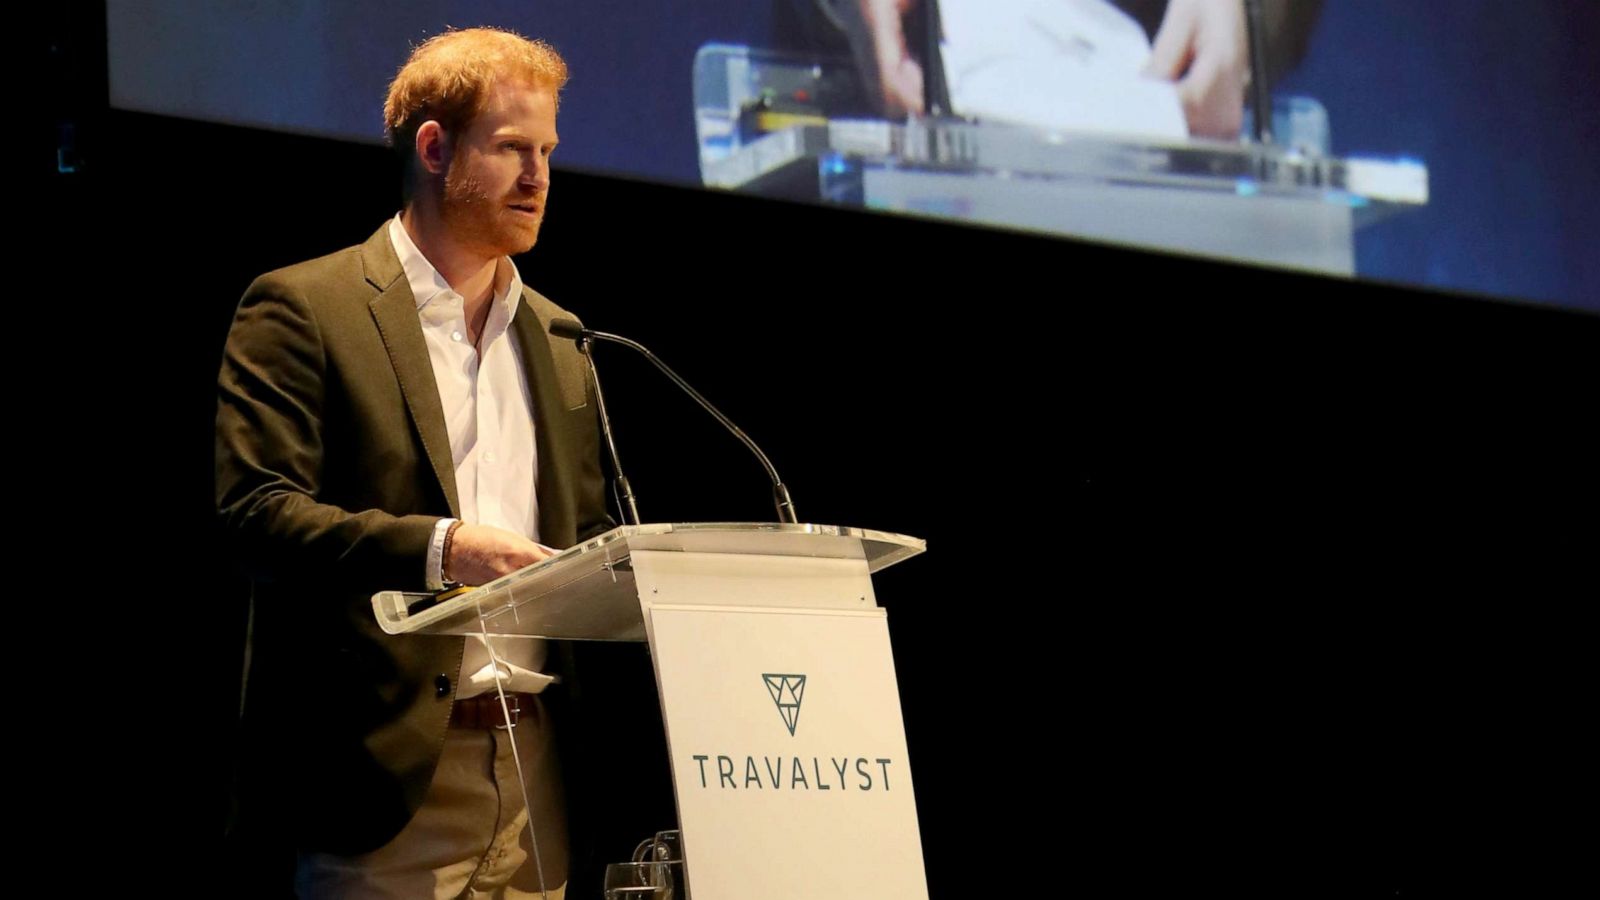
[(788, 753)]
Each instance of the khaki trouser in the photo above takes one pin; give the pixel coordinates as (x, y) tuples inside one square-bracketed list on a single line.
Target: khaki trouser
[(469, 840)]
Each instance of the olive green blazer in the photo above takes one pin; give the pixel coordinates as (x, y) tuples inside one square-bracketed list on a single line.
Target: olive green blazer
[(332, 466)]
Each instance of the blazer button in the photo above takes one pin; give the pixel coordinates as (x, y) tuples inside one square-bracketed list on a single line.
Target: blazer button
[(441, 686)]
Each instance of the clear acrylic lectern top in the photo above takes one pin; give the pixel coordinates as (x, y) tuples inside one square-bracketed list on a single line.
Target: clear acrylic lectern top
[(587, 592)]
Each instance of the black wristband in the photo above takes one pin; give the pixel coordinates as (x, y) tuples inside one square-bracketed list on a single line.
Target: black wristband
[(444, 555)]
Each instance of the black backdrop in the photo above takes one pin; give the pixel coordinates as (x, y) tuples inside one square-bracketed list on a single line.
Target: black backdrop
[(1238, 581)]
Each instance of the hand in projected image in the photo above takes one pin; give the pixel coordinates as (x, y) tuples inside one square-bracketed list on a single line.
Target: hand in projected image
[(1202, 46), (899, 75)]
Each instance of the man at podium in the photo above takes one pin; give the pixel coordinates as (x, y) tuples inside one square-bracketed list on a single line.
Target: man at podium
[(396, 416)]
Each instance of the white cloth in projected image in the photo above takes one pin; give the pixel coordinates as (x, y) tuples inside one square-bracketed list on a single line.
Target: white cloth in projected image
[(1057, 64)]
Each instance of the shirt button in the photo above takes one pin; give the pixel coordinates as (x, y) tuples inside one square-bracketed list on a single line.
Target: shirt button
[(455, 336), (489, 456), (441, 685)]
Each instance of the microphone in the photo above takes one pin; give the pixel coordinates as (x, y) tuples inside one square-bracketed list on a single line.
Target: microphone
[(571, 330), (627, 504), (1260, 91)]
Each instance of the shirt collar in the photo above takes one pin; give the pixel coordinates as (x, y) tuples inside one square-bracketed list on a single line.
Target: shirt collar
[(426, 282)]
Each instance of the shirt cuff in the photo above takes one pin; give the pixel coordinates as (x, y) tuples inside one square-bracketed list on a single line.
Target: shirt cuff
[(434, 575)]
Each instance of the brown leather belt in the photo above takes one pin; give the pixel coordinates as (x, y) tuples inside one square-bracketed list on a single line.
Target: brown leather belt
[(483, 711)]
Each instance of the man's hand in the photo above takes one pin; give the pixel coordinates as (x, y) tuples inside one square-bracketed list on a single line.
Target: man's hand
[(899, 75), (1202, 46), (481, 553)]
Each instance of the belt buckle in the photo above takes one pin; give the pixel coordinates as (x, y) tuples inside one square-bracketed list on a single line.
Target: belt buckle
[(513, 711)]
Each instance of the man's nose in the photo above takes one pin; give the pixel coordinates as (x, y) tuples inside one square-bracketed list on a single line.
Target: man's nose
[(536, 174)]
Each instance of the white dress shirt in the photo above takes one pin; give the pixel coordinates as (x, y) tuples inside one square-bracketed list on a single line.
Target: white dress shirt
[(488, 413)]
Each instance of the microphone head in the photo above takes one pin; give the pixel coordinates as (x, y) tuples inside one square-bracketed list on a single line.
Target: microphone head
[(566, 328)]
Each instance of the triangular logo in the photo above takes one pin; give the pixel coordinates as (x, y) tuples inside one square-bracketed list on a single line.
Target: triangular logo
[(787, 691)]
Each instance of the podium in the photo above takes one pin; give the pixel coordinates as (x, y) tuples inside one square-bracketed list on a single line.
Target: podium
[(777, 688)]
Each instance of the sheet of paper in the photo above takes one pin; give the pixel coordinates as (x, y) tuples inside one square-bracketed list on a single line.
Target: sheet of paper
[(1057, 64)]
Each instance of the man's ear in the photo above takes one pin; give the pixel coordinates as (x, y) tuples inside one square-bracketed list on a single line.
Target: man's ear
[(433, 148)]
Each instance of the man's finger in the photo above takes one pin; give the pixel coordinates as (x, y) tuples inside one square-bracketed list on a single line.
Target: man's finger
[(1172, 52)]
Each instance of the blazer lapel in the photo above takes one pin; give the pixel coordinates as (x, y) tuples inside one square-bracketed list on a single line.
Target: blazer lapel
[(394, 311), (557, 525)]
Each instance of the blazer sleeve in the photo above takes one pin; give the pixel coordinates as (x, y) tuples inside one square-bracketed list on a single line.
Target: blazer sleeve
[(269, 458)]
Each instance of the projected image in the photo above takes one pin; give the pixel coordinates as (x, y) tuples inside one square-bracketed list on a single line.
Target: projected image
[(1124, 123), (1441, 145)]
